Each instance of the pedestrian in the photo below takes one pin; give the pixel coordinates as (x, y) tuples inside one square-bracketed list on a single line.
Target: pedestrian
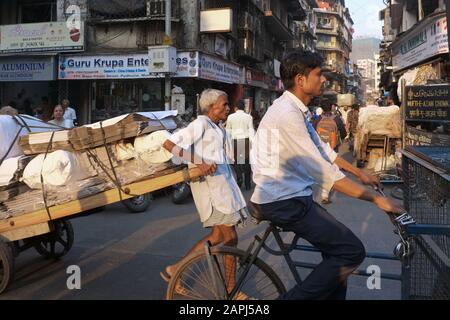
[(8, 110), (218, 199), (240, 127), (44, 111), (331, 128), (283, 192), (352, 125), (256, 118), (69, 113), (58, 118)]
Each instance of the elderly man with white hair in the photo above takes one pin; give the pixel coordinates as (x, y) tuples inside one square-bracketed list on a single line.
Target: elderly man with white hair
[(218, 199)]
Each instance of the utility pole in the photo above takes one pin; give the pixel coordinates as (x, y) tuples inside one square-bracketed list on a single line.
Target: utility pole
[(420, 10), (168, 41)]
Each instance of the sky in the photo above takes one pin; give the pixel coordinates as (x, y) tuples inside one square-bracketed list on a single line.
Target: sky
[(365, 16)]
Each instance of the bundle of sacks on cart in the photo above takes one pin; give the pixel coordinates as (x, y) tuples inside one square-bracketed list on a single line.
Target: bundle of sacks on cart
[(380, 121), (40, 160)]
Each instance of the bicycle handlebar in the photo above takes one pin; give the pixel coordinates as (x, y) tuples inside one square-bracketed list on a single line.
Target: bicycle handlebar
[(398, 221)]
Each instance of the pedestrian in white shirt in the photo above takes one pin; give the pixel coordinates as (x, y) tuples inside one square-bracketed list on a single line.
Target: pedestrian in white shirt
[(69, 113), (218, 199), (240, 126), (288, 159)]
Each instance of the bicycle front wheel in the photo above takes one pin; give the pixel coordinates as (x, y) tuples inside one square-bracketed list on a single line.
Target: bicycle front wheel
[(194, 280)]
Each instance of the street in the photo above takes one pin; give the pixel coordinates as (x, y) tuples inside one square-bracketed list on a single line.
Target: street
[(120, 254)]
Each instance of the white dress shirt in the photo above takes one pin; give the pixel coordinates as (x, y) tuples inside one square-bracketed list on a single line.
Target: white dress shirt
[(240, 125), (288, 158), (70, 114), (68, 124), (220, 190)]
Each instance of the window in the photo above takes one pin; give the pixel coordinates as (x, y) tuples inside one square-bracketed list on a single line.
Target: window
[(123, 9), (37, 11)]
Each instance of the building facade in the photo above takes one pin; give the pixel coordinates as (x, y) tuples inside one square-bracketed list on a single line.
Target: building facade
[(103, 65), (415, 37), (334, 31)]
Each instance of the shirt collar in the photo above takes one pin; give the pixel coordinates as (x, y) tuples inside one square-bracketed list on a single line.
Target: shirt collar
[(297, 102)]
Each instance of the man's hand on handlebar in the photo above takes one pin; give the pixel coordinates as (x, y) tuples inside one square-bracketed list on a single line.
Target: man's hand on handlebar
[(369, 180), (389, 205)]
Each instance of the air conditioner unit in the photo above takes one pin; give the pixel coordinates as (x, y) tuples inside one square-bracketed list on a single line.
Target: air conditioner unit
[(162, 59), (156, 8)]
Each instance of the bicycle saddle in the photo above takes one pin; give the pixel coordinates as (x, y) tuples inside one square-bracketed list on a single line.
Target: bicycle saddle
[(255, 212)]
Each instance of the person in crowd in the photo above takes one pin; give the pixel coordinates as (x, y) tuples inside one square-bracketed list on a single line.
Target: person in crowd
[(69, 113), (8, 110), (352, 125), (218, 199), (285, 169), (58, 118), (240, 126)]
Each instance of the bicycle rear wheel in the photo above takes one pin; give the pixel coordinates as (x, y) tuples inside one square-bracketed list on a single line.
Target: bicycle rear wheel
[(194, 281)]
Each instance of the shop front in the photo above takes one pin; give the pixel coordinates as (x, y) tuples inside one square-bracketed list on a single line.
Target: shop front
[(420, 55), (118, 84), (197, 71), (26, 80), (115, 84)]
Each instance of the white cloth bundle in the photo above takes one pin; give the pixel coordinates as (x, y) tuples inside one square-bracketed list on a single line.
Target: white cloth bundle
[(8, 169), (59, 168), (381, 121), (149, 147)]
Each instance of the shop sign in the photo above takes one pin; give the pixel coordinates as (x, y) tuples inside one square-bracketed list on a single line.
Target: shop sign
[(27, 69), (428, 103), (41, 37), (216, 69), (415, 137), (256, 78), (104, 67), (187, 64), (426, 41)]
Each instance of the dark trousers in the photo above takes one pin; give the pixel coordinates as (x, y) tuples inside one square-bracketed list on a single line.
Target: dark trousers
[(242, 163), (342, 251)]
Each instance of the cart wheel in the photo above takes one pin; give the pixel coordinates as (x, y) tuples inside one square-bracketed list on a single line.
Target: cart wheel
[(138, 203), (180, 193), (57, 243), (6, 266)]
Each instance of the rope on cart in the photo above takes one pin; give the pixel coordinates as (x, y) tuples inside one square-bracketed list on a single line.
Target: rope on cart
[(104, 168), (44, 194)]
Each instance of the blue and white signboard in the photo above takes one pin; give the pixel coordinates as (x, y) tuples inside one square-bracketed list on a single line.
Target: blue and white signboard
[(103, 67), (27, 69)]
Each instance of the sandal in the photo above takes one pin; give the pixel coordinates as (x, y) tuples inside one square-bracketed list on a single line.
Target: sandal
[(180, 290), (165, 276)]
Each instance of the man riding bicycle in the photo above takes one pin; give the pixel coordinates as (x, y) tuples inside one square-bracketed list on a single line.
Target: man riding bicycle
[(288, 158)]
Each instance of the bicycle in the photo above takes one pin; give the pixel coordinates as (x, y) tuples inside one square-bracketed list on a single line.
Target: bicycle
[(203, 276)]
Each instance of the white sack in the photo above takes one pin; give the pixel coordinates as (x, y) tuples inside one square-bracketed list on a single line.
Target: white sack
[(149, 147), (8, 169), (59, 168)]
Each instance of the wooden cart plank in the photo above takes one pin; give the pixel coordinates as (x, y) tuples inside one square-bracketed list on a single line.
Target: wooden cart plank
[(97, 200), (25, 232)]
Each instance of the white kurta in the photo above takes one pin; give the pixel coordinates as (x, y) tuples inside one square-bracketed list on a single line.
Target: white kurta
[(220, 190)]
